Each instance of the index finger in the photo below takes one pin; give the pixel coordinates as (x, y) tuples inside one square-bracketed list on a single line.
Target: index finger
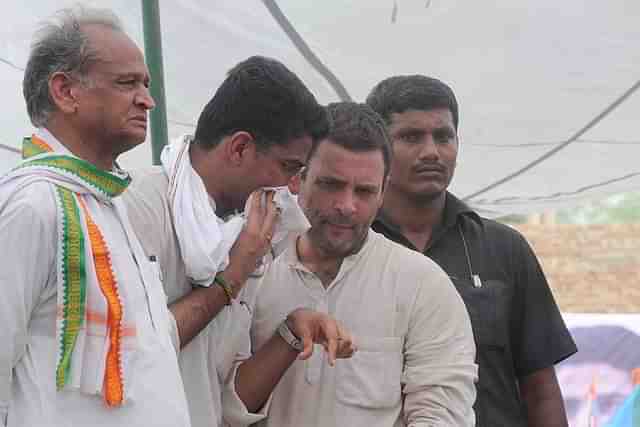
[(272, 214), (332, 349), (256, 210), (307, 345), (330, 332)]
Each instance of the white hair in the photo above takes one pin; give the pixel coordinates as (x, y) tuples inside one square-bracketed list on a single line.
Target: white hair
[(60, 45)]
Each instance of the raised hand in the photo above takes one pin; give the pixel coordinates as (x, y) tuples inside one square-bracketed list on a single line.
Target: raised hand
[(254, 241), (313, 327)]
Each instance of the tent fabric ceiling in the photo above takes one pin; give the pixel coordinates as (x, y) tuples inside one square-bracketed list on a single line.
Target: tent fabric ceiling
[(548, 90)]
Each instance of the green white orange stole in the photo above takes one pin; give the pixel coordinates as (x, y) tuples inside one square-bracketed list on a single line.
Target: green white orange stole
[(87, 286)]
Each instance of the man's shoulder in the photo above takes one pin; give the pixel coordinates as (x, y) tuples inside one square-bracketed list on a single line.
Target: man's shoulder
[(147, 204), (402, 260), (148, 188), (152, 178), (30, 200), (420, 281), (27, 192), (498, 232)]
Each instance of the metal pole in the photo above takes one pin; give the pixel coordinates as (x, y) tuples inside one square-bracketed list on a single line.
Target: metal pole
[(153, 55)]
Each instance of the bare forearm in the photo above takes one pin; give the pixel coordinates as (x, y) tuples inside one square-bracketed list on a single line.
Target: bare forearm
[(194, 311), (546, 413), (543, 398), (258, 376)]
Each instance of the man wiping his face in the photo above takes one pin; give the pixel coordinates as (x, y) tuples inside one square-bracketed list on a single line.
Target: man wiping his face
[(251, 138)]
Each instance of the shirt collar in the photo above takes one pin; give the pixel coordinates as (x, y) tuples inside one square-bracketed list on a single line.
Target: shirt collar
[(53, 142), (44, 154), (291, 259), (454, 209), (59, 148)]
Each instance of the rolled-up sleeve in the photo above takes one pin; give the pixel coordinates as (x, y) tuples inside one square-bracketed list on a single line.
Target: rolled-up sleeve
[(439, 373), (173, 331), (234, 411), (27, 232)]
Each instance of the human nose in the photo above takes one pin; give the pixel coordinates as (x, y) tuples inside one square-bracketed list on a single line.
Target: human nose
[(346, 203), (144, 99), (429, 149)]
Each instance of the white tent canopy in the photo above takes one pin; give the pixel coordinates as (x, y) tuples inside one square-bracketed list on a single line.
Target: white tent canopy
[(549, 91)]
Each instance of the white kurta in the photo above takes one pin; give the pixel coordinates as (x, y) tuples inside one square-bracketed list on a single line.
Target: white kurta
[(209, 362), (28, 306), (415, 364)]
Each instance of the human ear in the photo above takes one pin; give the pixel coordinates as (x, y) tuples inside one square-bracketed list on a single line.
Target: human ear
[(239, 147), (61, 91), (296, 181)]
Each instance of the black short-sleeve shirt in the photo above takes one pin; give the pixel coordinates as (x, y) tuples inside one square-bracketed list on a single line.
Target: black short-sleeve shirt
[(516, 323)]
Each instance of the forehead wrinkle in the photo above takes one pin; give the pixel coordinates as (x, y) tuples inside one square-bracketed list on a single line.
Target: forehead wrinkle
[(113, 48), (330, 172)]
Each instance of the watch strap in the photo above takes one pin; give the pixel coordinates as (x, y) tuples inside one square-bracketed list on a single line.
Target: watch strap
[(289, 337)]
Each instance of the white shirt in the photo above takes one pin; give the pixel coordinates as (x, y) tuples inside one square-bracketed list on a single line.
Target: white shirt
[(415, 363), (28, 225), (209, 362)]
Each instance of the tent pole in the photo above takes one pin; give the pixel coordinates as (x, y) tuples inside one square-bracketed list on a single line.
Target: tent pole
[(153, 56)]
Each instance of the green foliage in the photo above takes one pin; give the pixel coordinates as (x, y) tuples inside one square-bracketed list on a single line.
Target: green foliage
[(617, 209), (513, 219)]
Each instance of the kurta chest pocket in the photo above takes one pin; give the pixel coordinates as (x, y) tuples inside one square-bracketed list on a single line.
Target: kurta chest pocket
[(371, 378), (157, 299)]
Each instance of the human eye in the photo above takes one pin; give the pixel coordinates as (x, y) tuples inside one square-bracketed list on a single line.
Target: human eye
[(126, 83), (291, 168), (365, 192), (410, 137), (443, 136), (328, 184)]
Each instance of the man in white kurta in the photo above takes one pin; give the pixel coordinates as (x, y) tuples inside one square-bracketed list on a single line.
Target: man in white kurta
[(207, 362), (29, 307), (255, 132), (415, 360), (86, 334)]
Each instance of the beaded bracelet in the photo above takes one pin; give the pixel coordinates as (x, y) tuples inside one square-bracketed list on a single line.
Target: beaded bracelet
[(228, 291)]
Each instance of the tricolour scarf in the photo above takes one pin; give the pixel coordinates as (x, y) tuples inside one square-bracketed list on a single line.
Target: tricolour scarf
[(87, 285)]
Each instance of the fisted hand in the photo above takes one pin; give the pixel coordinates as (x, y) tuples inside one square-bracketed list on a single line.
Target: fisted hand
[(313, 327), (254, 241)]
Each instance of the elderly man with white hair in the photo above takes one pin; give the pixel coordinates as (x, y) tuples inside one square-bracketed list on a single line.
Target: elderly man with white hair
[(86, 333)]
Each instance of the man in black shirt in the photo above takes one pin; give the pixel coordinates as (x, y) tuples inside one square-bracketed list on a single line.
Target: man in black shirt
[(519, 332)]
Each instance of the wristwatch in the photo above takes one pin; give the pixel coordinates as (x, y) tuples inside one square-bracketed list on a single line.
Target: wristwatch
[(289, 337)]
